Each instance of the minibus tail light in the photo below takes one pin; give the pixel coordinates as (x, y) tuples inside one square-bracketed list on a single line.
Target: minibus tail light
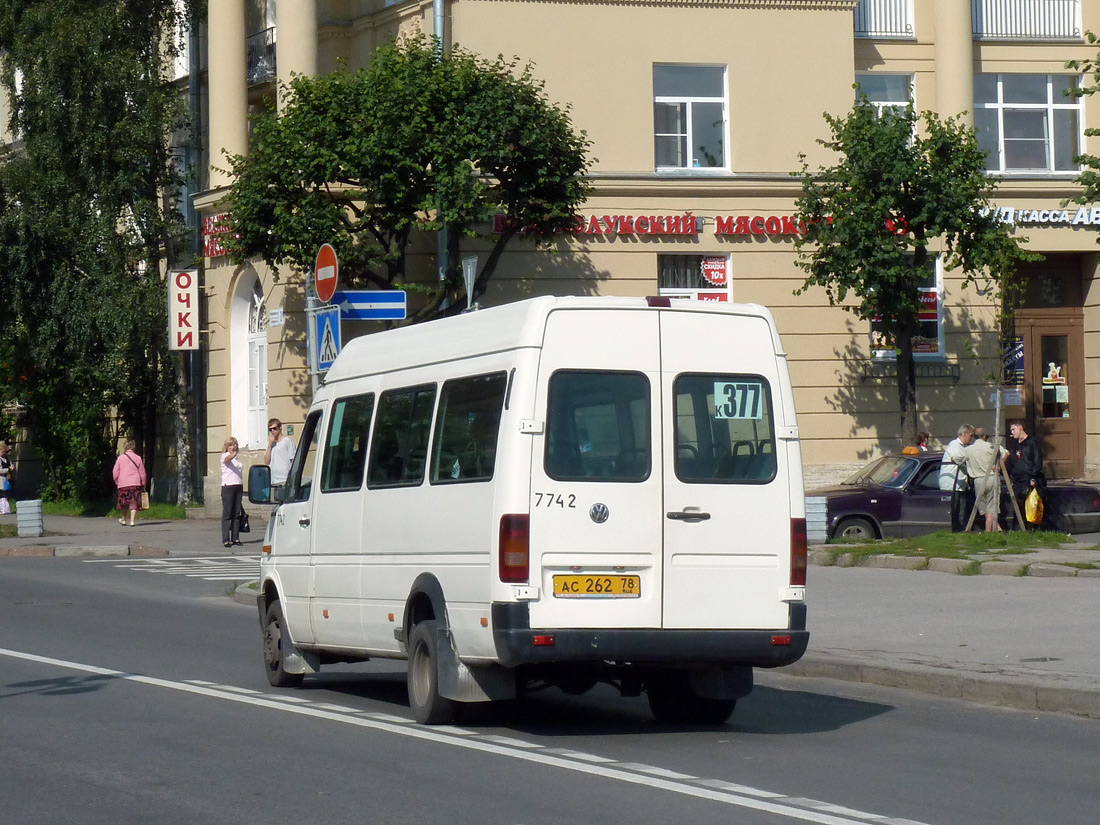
[(798, 552), (515, 555)]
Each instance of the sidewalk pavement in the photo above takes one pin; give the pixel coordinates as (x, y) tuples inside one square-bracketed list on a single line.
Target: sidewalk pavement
[(1023, 634)]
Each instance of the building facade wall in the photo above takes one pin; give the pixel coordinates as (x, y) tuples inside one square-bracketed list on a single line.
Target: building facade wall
[(786, 64)]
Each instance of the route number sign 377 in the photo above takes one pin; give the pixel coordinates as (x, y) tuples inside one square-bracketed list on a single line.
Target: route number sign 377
[(740, 399)]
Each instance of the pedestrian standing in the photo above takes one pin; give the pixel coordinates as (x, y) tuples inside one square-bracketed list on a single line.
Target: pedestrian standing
[(130, 479), (1025, 463), (279, 455), (232, 492), (983, 464), (953, 477), (7, 473)]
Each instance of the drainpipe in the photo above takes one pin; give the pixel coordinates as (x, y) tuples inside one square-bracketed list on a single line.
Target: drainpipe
[(440, 32), (197, 372)]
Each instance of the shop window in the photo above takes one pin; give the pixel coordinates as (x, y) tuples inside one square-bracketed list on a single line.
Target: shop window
[(886, 92), (928, 344), (689, 117), (702, 277), (1028, 123)]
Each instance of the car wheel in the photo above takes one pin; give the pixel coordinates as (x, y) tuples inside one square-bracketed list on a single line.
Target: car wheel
[(855, 528), (276, 647)]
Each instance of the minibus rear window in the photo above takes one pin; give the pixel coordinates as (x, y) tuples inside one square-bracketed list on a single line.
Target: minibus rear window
[(598, 426), (724, 429)]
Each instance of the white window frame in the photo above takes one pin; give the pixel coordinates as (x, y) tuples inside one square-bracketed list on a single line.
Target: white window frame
[(887, 105), (687, 100), (715, 293), (257, 368), (940, 354), (997, 164)]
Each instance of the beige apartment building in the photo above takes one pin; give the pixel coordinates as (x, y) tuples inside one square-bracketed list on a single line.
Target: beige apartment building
[(698, 112)]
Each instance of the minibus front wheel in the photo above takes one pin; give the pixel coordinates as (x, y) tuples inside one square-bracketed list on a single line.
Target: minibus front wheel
[(277, 646), (428, 706)]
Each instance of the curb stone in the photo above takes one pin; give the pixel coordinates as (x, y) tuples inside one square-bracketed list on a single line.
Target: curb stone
[(1015, 692)]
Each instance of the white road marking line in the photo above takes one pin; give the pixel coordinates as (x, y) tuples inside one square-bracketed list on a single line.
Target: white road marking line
[(405, 728), (586, 757), (654, 771)]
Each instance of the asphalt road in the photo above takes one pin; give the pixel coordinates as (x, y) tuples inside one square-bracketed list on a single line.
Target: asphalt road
[(133, 692)]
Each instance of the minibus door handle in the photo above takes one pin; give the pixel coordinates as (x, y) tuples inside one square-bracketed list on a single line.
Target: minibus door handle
[(688, 515), (304, 521)]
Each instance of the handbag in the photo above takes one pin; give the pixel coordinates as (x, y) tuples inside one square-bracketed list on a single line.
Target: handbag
[(144, 500), (242, 523), (1033, 507)]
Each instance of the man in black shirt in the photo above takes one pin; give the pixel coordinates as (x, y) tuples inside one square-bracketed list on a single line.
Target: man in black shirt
[(1025, 462)]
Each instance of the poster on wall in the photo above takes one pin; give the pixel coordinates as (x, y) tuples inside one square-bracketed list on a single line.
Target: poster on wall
[(1012, 360)]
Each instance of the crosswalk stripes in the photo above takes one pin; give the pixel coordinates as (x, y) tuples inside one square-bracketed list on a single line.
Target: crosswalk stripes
[(208, 568)]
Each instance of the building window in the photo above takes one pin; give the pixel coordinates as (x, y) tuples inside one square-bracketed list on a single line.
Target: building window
[(703, 277), (689, 117), (257, 368), (891, 92), (1027, 123), (928, 344)]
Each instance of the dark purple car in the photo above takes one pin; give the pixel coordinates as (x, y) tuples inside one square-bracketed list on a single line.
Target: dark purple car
[(900, 495)]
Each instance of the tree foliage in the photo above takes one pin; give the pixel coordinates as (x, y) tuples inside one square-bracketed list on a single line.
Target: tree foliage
[(86, 220), (871, 218), (1090, 175), (363, 160)]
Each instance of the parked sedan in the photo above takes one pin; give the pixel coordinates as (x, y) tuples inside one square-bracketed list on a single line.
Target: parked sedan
[(899, 495)]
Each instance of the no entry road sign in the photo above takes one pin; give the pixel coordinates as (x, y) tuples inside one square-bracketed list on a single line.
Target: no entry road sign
[(325, 272)]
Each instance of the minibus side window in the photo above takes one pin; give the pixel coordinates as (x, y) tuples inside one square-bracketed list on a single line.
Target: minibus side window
[(346, 446), (466, 426), (399, 449), (302, 471), (598, 426), (724, 429)]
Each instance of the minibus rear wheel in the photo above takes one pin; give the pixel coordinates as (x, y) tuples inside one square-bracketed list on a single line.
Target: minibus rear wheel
[(276, 646), (673, 701), (427, 705)]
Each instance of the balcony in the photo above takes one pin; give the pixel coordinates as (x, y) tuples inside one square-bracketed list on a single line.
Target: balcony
[(883, 19), (1026, 19), (261, 57)]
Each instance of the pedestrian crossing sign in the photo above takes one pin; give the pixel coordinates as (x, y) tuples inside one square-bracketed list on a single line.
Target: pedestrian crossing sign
[(328, 337)]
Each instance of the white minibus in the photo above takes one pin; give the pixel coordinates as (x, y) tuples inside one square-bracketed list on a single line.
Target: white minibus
[(556, 492)]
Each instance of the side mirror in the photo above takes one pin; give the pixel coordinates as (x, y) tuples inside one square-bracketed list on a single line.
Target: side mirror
[(259, 484)]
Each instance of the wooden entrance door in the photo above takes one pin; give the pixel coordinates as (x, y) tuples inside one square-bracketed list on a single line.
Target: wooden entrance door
[(1054, 387)]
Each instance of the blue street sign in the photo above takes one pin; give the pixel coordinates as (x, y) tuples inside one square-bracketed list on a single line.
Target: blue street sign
[(370, 305), (328, 336)]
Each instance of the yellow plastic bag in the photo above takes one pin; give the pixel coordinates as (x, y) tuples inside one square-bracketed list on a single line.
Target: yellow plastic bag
[(1033, 507)]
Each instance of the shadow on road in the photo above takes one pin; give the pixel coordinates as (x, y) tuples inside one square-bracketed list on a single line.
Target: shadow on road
[(767, 711)]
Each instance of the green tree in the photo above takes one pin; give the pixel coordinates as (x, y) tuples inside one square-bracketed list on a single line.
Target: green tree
[(87, 219), (362, 160), (870, 219), (1090, 175)]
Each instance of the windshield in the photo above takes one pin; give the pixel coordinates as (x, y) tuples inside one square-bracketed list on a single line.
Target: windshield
[(888, 471)]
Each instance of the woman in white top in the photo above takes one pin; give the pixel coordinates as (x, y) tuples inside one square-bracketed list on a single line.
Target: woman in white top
[(232, 492)]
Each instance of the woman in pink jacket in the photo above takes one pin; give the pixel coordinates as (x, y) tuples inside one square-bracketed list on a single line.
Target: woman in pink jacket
[(130, 478)]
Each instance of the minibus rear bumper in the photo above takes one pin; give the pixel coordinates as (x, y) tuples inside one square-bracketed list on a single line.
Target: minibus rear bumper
[(518, 644)]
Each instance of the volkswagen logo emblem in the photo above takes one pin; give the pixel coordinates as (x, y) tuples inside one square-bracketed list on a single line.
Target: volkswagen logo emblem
[(599, 513)]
